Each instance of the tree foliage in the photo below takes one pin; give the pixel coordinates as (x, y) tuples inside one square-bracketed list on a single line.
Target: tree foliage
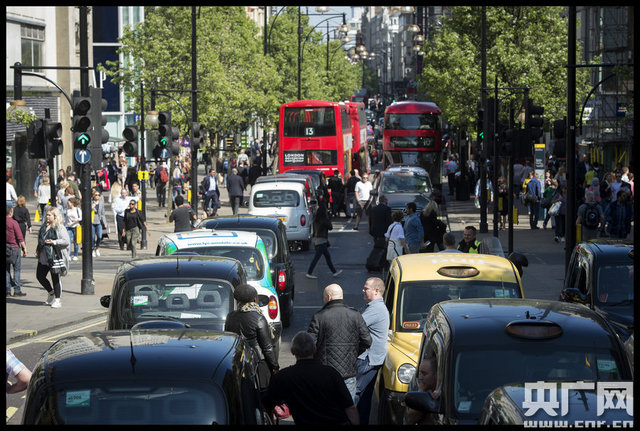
[(236, 82), (526, 46)]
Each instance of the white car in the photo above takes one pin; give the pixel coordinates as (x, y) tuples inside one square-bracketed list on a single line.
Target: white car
[(287, 201), (246, 247)]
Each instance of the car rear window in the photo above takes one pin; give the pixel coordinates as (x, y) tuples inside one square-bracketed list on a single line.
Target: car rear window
[(416, 298), (276, 198), (615, 284), (409, 182), (185, 300), (135, 402), (477, 372), (250, 258)]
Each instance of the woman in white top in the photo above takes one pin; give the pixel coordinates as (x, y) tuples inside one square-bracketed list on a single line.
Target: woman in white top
[(395, 233), (72, 219), (44, 194)]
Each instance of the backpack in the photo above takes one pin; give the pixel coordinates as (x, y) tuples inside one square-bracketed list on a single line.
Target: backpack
[(164, 176), (591, 217), (225, 164)]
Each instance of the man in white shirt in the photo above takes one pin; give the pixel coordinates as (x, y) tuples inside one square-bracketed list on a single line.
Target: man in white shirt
[(362, 192), (451, 168), (119, 206)]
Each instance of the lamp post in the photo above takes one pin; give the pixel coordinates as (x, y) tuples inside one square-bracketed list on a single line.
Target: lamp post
[(321, 9)]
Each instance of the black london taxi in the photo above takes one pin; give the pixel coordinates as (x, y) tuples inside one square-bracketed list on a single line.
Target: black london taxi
[(146, 376), (600, 276), (196, 290), (507, 405), (482, 344), (274, 235), (402, 184)]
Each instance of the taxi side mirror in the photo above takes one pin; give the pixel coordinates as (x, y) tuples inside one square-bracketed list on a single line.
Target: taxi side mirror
[(422, 401), (105, 301), (573, 294)]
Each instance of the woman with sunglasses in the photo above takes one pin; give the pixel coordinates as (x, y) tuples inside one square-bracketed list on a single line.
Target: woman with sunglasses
[(133, 223)]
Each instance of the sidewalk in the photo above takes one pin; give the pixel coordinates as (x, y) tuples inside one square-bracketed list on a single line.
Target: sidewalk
[(28, 316)]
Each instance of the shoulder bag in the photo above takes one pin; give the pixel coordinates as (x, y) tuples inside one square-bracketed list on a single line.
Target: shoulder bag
[(12, 255), (555, 208), (58, 266)]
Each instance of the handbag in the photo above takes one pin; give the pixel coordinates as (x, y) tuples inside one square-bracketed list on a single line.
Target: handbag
[(546, 202), (555, 208), (529, 198), (394, 248), (281, 411)]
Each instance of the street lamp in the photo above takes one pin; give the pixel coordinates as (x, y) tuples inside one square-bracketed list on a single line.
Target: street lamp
[(151, 119)]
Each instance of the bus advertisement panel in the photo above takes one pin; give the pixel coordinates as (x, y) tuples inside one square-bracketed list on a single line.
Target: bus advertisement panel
[(412, 135), (359, 152), (314, 134)]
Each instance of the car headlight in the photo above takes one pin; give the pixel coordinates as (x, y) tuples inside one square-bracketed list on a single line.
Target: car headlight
[(405, 373)]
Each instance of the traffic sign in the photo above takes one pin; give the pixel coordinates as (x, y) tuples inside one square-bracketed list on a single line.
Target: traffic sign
[(83, 156), (143, 175), (164, 153)]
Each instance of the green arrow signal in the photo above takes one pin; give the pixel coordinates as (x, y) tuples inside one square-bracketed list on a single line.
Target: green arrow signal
[(83, 139), (163, 142), (481, 135)]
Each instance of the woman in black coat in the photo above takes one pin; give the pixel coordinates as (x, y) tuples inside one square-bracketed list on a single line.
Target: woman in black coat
[(249, 321), (433, 228), (321, 227)]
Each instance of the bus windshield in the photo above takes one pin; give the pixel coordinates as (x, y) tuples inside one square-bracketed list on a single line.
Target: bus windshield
[(411, 121), (309, 122)]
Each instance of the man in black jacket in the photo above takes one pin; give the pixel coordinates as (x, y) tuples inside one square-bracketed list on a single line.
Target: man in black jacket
[(235, 187), (379, 221), (340, 334)]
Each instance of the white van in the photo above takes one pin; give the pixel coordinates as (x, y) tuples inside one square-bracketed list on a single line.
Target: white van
[(287, 201), (246, 247)]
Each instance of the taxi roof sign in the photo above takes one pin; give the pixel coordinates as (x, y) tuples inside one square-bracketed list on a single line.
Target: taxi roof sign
[(533, 330)]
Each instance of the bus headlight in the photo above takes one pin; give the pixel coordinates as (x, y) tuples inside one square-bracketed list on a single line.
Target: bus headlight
[(405, 373)]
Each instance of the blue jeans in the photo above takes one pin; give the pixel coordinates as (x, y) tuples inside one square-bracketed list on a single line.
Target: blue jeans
[(321, 250), (96, 235), (365, 381), (15, 280), (352, 204), (351, 385), (72, 239)]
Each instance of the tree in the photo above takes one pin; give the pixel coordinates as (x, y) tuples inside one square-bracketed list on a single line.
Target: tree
[(526, 45)]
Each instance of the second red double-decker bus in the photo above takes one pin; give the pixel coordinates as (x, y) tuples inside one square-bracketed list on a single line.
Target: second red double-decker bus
[(412, 135), (314, 134), (359, 152)]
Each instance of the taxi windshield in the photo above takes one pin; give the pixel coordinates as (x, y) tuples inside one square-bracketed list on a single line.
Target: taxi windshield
[(409, 182), (477, 372), (249, 257), (185, 300), (136, 402), (615, 284), (416, 298)]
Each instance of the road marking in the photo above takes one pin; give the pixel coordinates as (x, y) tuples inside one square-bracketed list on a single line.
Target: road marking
[(53, 337), (10, 412), (64, 334), (31, 332)]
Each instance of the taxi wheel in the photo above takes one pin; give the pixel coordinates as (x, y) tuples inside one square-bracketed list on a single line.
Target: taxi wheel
[(384, 415)]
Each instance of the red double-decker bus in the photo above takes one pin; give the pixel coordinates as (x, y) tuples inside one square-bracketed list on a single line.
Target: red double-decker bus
[(314, 134), (359, 151), (412, 135)]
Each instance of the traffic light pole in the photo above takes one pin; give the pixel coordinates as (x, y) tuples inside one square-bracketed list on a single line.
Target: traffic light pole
[(143, 161), (52, 174), (194, 113), (87, 284), (484, 227)]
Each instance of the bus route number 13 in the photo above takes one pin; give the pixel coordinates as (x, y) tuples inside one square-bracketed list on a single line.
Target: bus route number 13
[(308, 131)]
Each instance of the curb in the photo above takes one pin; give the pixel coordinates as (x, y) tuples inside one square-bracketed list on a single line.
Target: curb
[(53, 328)]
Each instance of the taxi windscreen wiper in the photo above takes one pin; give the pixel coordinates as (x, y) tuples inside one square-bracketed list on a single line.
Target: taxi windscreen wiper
[(623, 302)]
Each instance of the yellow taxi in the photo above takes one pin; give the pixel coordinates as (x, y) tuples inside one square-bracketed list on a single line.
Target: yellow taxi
[(414, 284)]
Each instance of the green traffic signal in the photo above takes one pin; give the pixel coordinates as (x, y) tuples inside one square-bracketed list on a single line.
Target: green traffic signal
[(83, 139)]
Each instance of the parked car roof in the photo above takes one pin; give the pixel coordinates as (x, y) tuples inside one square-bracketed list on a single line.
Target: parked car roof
[(187, 266)]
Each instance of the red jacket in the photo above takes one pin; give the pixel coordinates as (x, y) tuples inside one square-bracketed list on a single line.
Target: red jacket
[(14, 234)]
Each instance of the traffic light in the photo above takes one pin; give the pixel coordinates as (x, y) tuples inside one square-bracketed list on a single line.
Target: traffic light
[(35, 140), (98, 121), (533, 122), (130, 135), (52, 131), (559, 147), (81, 121), (480, 125), (198, 131), (168, 134)]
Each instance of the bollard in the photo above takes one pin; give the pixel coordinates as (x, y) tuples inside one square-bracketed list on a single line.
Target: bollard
[(36, 219), (93, 214), (500, 204), (515, 215), (79, 234), (578, 233)]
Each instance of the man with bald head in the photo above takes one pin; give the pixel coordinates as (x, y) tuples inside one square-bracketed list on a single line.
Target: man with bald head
[(340, 335)]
